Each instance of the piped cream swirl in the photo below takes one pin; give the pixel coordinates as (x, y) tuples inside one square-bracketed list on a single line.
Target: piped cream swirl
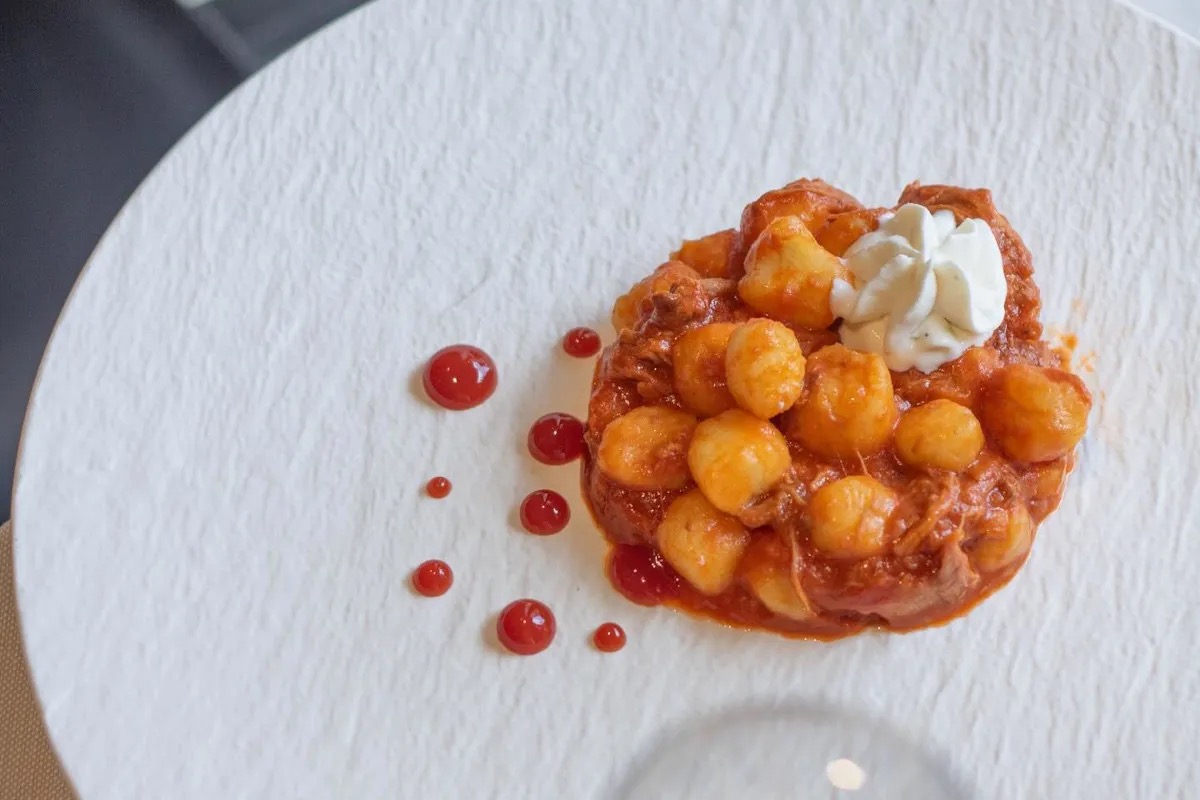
[(924, 291)]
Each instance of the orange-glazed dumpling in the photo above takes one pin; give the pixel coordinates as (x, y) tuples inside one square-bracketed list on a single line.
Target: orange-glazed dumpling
[(1036, 414)]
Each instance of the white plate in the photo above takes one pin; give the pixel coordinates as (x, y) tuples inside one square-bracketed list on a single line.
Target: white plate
[(220, 502)]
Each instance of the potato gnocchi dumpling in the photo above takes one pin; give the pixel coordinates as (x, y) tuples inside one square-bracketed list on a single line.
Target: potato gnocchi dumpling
[(789, 275), (764, 367), (842, 230), (940, 435), (1048, 479), (709, 255), (698, 358), (1006, 539), (1036, 414), (847, 410), (647, 448), (735, 457), (702, 543), (849, 517), (766, 570)]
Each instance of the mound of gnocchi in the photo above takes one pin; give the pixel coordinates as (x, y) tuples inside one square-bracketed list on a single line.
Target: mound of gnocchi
[(785, 474)]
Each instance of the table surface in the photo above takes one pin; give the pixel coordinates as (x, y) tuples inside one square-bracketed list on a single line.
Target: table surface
[(1182, 13)]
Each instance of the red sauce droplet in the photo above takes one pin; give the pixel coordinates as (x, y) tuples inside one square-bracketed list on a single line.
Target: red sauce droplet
[(556, 439), (460, 377), (526, 627), (433, 578), (545, 512), (641, 574), (609, 637), (438, 487), (581, 342)]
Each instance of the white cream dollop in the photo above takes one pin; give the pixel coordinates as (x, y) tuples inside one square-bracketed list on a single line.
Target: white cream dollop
[(924, 290)]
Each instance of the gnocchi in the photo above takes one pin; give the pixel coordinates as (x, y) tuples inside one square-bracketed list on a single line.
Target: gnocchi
[(940, 435), (848, 408), (709, 255), (789, 275), (764, 367), (849, 517), (735, 457), (1036, 414), (767, 574), (842, 230), (1048, 479), (702, 543), (646, 449), (1006, 539), (698, 356)]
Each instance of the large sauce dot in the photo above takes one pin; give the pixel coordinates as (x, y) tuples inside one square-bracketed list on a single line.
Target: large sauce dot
[(556, 439), (438, 487), (460, 376), (641, 574), (526, 627), (545, 512)]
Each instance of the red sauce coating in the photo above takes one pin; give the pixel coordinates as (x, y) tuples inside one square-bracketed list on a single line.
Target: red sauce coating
[(545, 512), (556, 439), (459, 377), (438, 487), (609, 637), (581, 342), (433, 578), (526, 627), (640, 573)]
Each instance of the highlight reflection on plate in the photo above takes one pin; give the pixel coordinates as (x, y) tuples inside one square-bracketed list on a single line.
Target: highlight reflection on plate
[(797, 751)]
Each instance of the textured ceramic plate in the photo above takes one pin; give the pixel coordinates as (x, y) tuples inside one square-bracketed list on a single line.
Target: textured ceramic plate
[(220, 500)]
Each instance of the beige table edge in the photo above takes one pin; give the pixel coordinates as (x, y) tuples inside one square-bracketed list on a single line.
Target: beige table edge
[(29, 767)]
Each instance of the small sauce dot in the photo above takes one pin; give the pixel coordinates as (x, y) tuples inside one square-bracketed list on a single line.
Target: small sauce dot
[(433, 578), (640, 573), (609, 637), (545, 512), (459, 377), (581, 342), (526, 627), (438, 487), (556, 439)]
